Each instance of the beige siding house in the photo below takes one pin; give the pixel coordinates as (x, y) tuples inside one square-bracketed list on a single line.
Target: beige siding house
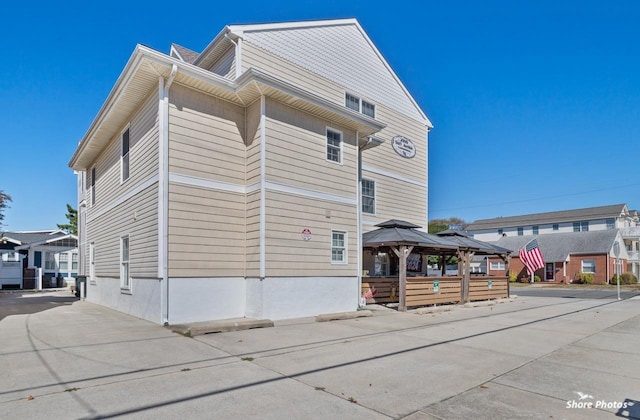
[(237, 182)]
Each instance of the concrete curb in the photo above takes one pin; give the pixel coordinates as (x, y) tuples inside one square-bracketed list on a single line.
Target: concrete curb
[(433, 310), (343, 315), (226, 325)]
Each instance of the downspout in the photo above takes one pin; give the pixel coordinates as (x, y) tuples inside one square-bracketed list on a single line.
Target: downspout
[(163, 187), (238, 54), (359, 212)]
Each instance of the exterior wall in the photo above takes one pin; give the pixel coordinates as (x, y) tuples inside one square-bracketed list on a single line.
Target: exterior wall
[(226, 65), (604, 269), (206, 189), (143, 301), (493, 235), (260, 59), (126, 208), (205, 298)]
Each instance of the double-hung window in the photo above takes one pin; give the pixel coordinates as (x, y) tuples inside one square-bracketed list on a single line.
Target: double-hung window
[(535, 230), (64, 261), (368, 196), (125, 275), (496, 265), (49, 261), (334, 146), (338, 247), (124, 156), (74, 261), (520, 231), (360, 105)]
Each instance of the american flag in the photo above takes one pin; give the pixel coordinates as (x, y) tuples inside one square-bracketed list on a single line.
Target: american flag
[(531, 256)]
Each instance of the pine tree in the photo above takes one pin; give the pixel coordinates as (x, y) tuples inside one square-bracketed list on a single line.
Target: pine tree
[(72, 216)]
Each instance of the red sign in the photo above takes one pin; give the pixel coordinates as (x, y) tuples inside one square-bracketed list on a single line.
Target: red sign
[(306, 234)]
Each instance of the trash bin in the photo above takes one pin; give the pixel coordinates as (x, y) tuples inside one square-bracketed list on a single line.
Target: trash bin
[(58, 282), (81, 283)]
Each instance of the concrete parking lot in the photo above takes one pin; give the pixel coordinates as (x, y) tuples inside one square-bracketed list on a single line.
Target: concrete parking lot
[(535, 357)]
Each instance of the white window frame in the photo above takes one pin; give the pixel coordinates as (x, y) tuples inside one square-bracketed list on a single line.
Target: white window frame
[(125, 266), (125, 157), (343, 247), (331, 146), (51, 260), (582, 266), (92, 187), (63, 258), (497, 265), (361, 103), (520, 231), (535, 229), (74, 261), (92, 261), (363, 196)]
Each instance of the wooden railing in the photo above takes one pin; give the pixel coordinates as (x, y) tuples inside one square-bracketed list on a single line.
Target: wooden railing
[(424, 291)]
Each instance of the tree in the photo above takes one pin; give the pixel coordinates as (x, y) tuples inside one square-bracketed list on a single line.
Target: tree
[(438, 225), (4, 199), (72, 217)]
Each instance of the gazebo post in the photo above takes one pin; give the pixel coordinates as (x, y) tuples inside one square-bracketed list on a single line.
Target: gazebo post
[(507, 268), (402, 255)]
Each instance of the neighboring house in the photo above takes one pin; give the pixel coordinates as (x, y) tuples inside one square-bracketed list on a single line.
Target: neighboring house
[(238, 181), (54, 252), (566, 255), (591, 219)]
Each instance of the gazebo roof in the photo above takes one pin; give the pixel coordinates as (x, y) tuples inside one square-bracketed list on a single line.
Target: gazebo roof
[(463, 240), (398, 232)]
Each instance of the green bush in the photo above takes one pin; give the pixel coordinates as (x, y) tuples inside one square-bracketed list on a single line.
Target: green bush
[(625, 278), (536, 278), (585, 278), (512, 276)]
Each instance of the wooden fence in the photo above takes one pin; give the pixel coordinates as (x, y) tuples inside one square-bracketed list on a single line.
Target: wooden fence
[(424, 291)]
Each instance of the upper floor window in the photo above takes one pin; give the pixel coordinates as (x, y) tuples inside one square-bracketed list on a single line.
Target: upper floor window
[(556, 227), (496, 265), (520, 231), (368, 196), (124, 156), (536, 230), (334, 145), (500, 232), (360, 105), (611, 224), (581, 226), (93, 185)]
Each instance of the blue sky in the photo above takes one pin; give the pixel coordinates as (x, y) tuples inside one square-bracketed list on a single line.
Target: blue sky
[(536, 105)]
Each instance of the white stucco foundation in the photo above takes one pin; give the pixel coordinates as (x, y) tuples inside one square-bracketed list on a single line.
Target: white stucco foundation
[(205, 299), (143, 301), (295, 297)]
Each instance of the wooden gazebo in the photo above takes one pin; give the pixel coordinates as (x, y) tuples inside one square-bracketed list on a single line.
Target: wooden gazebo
[(402, 238)]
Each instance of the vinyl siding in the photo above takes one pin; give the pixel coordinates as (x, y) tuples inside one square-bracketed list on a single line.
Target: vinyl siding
[(253, 144), (136, 217), (226, 65), (206, 232), (397, 199), (206, 137), (253, 235), (260, 59), (288, 255), (384, 156), (297, 152)]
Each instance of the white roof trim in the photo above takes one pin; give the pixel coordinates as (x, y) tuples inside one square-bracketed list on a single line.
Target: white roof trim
[(10, 239)]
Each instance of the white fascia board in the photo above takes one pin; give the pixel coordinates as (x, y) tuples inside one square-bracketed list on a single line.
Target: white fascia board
[(9, 239), (252, 75), (240, 29), (48, 241)]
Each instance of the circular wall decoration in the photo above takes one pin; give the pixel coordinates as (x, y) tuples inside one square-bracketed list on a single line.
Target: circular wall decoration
[(403, 146)]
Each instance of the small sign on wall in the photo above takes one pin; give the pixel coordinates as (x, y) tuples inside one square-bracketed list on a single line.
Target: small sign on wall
[(306, 234), (436, 286), (490, 284)]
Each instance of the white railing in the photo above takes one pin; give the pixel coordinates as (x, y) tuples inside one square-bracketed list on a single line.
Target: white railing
[(630, 232), (634, 255)]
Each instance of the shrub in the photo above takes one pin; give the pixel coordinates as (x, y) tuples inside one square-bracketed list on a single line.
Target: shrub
[(585, 278), (625, 278), (536, 278), (512, 276)]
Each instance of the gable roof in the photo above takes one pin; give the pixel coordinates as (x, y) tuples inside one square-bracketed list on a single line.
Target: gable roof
[(557, 247), (577, 215), (183, 53), (51, 240), (27, 237), (338, 50)]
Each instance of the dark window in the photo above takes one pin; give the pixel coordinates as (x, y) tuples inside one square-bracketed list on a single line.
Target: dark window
[(520, 231), (125, 155), (556, 227), (93, 185), (535, 230)]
